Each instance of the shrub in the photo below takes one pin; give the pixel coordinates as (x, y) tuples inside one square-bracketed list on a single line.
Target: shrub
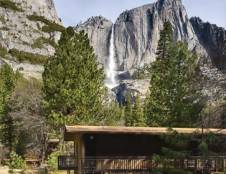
[(10, 5), (4, 28), (53, 161), (30, 57), (50, 25), (16, 161), (2, 19), (142, 73), (38, 18), (38, 43), (3, 51)]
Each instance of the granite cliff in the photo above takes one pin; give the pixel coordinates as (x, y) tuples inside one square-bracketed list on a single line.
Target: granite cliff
[(27, 33), (136, 39)]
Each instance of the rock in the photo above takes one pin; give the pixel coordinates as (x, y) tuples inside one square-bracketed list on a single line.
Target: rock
[(18, 32), (132, 88), (137, 32), (213, 39), (99, 31)]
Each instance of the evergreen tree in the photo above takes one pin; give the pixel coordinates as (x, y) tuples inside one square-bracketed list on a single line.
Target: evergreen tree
[(129, 119), (7, 125), (165, 42), (138, 113), (73, 82), (7, 84), (8, 131), (172, 100)]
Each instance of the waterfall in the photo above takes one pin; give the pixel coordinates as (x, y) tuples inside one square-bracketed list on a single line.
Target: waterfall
[(111, 80)]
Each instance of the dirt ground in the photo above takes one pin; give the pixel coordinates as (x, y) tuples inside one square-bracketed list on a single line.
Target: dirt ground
[(4, 170)]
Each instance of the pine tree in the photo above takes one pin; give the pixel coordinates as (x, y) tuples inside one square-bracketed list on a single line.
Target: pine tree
[(165, 42), (129, 119), (172, 100), (7, 84), (138, 113), (8, 131), (73, 82), (7, 125)]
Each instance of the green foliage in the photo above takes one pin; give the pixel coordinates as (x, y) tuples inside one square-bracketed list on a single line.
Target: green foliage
[(8, 131), (7, 125), (7, 85), (173, 101), (142, 73), (10, 5), (16, 161), (166, 42), (2, 19), (39, 42), (38, 18), (53, 161), (112, 114), (50, 25), (52, 28), (3, 51), (134, 113), (203, 147), (138, 113), (22, 142), (73, 82), (30, 57), (129, 119), (176, 145), (4, 28)]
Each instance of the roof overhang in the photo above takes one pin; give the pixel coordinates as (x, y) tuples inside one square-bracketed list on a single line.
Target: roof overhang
[(72, 131)]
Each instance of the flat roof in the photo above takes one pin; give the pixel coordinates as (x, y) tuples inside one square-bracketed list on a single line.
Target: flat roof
[(71, 131)]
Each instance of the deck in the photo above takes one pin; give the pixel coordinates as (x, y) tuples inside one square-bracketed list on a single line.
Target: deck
[(141, 164)]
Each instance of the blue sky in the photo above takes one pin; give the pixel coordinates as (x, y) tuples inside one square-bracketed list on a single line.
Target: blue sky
[(73, 11)]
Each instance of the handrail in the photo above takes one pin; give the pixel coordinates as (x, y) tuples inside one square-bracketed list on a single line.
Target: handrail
[(139, 163)]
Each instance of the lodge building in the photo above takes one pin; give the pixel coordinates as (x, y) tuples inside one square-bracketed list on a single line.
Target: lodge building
[(107, 149)]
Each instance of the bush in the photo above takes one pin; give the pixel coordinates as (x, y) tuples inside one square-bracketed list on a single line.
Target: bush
[(10, 5), (30, 57), (50, 25), (3, 51), (53, 161), (142, 73), (16, 161), (2, 19), (38, 43)]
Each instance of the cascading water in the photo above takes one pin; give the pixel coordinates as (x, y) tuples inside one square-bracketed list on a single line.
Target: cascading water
[(111, 75)]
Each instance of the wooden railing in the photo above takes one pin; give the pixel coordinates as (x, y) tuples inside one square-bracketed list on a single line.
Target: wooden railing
[(141, 164)]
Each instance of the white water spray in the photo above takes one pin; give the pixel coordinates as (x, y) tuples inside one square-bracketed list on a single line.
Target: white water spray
[(111, 80)]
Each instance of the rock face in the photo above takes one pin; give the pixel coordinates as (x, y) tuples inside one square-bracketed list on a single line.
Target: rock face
[(137, 33), (19, 32), (136, 38), (138, 30), (99, 31), (213, 39)]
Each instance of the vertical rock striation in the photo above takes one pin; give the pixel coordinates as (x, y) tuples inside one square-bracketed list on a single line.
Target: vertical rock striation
[(18, 32), (138, 30), (99, 32), (213, 39)]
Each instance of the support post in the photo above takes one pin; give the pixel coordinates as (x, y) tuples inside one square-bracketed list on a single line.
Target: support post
[(80, 153)]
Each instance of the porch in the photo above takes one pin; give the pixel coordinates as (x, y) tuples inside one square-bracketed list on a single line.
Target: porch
[(129, 150)]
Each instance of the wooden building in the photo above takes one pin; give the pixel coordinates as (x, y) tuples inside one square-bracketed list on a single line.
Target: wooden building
[(106, 149)]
